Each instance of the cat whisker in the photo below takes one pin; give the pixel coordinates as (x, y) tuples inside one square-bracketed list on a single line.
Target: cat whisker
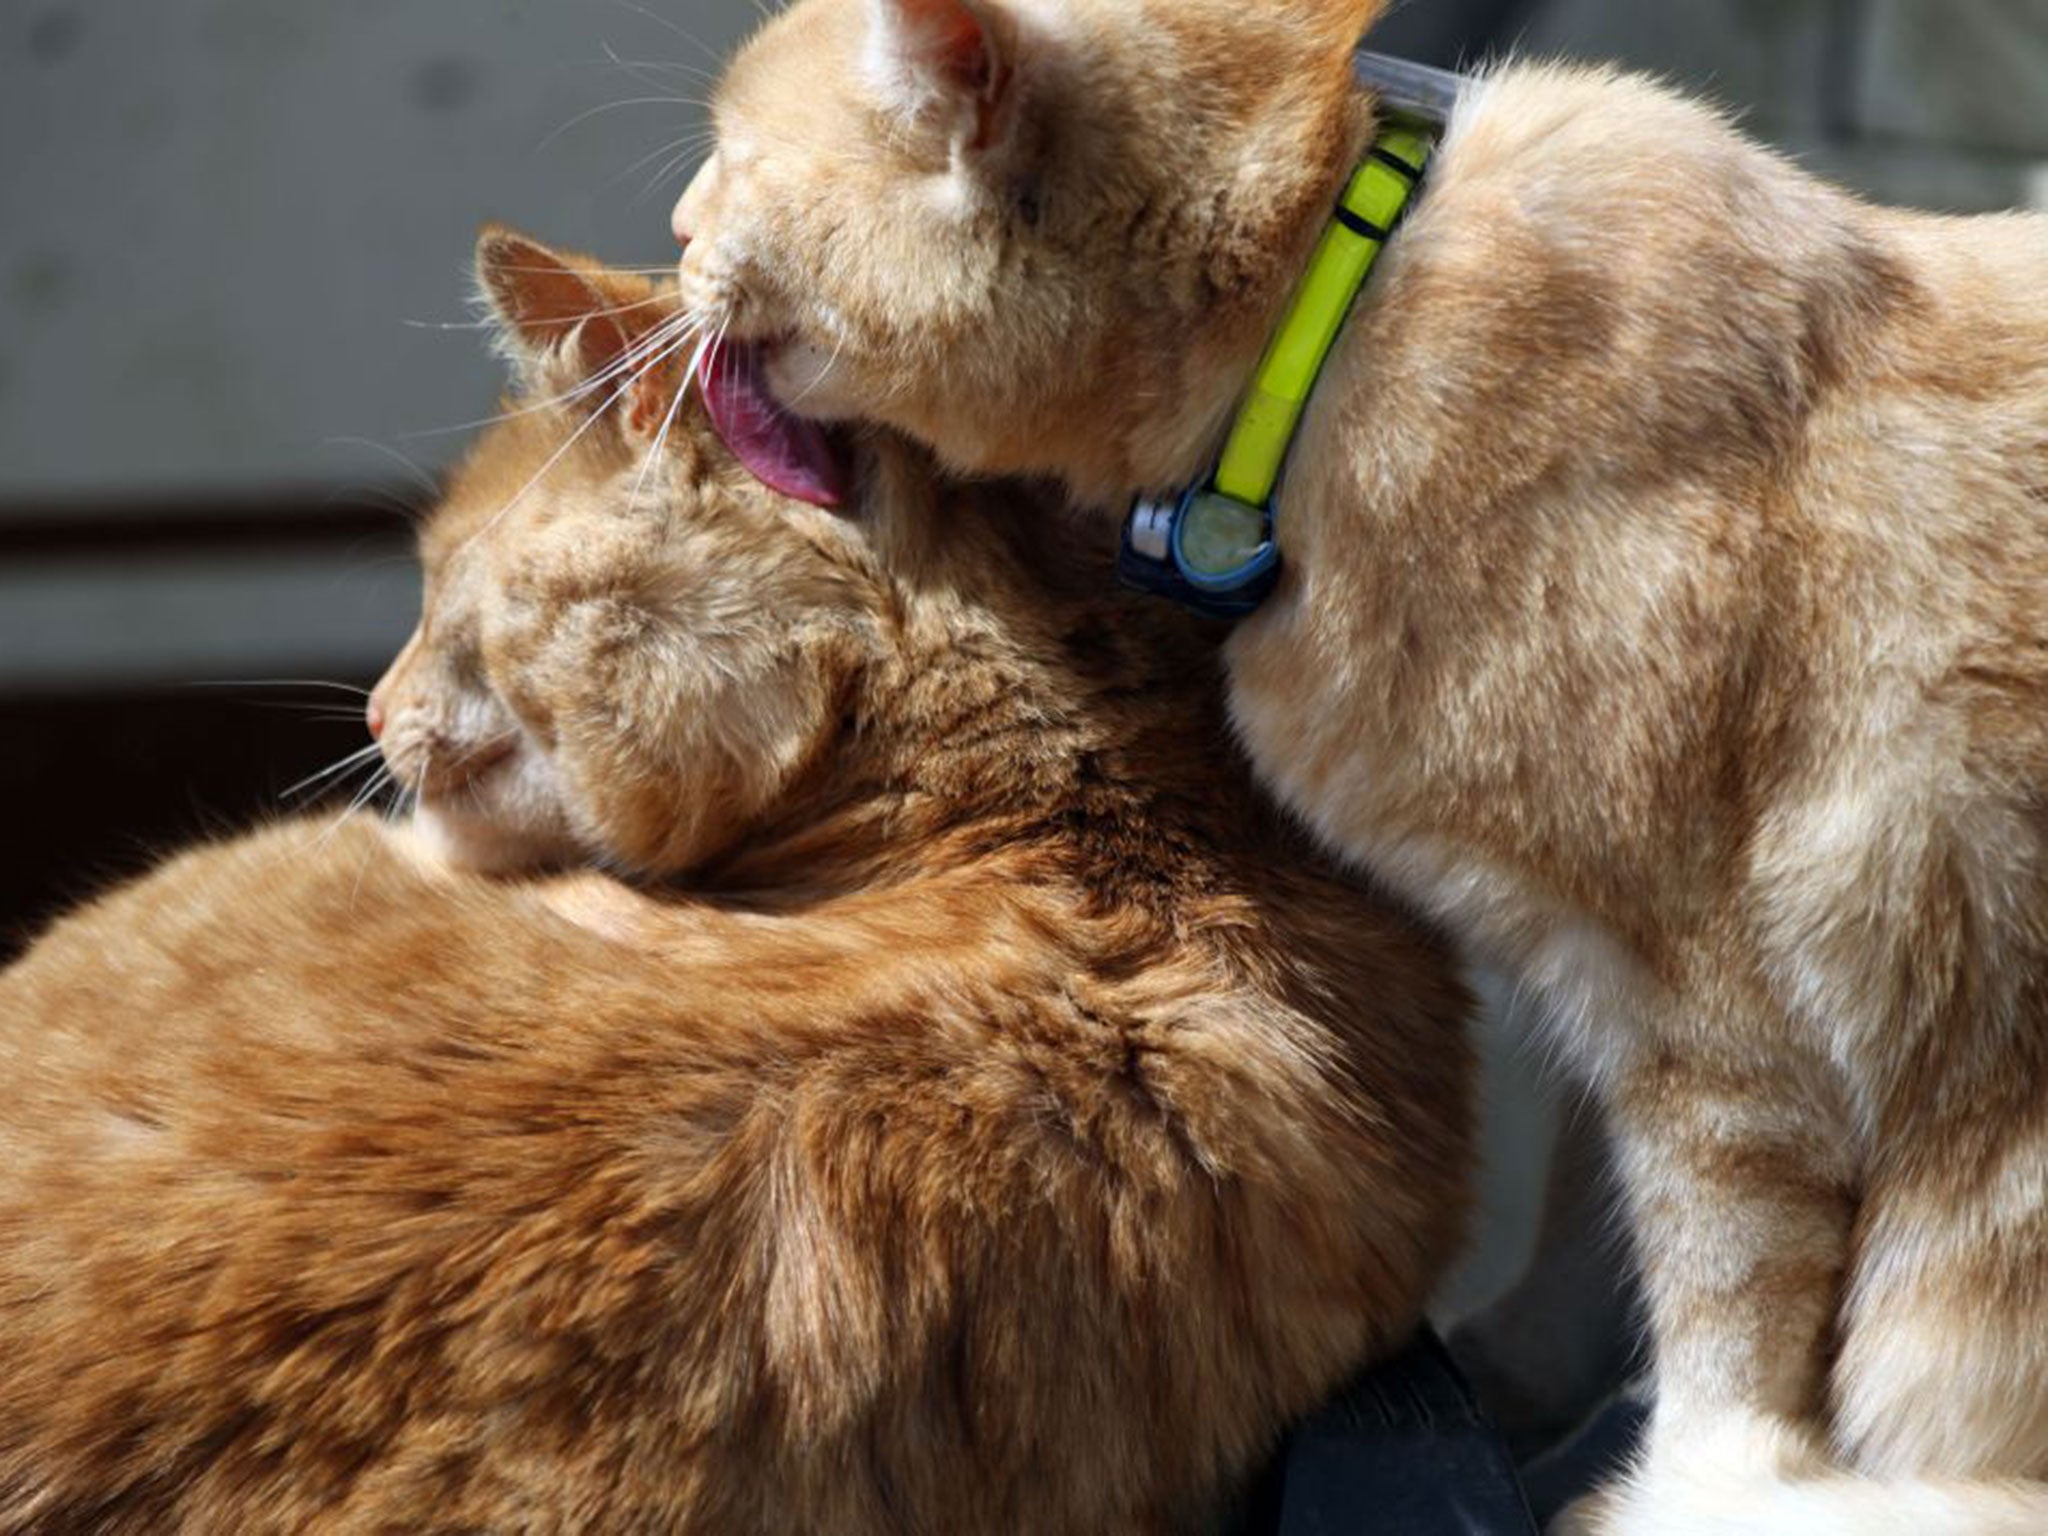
[(349, 764), (684, 33), (419, 476), (639, 69), (491, 323), (652, 301), (660, 440), (680, 161), (651, 270), (718, 343), (362, 797), (362, 868), (638, 349), (314, 713), (385, 562), (613, 106), (281, 682), (678, 335), (642, 69), (683, 144), (587, 387), (704, 345), (659, 343), (379, 781), (640, 358), (838, 349), (407, 507), (613, 60), (707, 346)]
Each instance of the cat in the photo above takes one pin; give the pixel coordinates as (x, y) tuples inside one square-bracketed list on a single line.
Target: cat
[(839, 1047), (1664, 608)]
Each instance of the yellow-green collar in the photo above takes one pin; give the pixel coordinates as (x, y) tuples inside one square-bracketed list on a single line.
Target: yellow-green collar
[(1212, 546), (1366, 214)]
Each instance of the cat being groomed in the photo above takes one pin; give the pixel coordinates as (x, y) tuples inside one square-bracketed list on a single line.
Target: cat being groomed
[(980, 1115), (1665, 607)]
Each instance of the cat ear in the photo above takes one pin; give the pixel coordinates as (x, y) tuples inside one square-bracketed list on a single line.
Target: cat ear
[(568, 322), (952, 61)]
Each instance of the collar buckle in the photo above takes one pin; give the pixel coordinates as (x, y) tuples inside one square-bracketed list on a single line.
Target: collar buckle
[(1202, 549)]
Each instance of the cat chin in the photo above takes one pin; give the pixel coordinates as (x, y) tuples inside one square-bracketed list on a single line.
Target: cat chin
[(811, 381), (482, 845)]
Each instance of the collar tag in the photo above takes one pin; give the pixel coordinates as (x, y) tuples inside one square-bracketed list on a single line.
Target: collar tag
[(1202, 549), (1213, 546)]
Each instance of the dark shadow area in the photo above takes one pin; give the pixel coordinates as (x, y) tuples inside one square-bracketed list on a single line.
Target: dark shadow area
[(1451, 36), (123, 742), (103, 785)]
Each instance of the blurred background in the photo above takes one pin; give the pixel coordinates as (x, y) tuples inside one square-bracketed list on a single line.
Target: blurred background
[(235, 346)]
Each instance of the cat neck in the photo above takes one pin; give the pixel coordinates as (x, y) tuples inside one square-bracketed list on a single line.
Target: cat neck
[(1242, 249), (1018, 714)]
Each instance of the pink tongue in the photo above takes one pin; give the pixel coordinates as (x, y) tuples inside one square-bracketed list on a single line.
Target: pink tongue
[(784, 452)]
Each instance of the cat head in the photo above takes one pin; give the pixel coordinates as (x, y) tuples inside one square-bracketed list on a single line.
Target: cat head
[(1041, 235), (628, 648)]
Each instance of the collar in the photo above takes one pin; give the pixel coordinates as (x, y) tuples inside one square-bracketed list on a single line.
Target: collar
[(1212, 546)]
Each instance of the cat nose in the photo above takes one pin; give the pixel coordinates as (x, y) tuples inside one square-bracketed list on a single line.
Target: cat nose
[(684, 220), (374, 717)]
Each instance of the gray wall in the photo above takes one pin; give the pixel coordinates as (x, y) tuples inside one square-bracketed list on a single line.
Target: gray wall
[(1934, 103), (217, 216), (234, 240)]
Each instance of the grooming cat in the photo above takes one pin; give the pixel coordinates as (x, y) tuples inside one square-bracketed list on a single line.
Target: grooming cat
[(981, 1115), (1665, 608)]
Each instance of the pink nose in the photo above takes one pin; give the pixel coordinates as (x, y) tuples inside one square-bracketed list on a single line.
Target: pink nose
[(374, 715)]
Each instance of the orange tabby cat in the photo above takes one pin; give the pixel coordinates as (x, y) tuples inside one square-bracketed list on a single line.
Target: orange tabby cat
[(999, 1124), (1667, 610)]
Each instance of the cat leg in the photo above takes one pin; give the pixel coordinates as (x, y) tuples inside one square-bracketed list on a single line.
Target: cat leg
[(1826, 1505), (1943, 1370), (1940, 1386), (1737, 1183)]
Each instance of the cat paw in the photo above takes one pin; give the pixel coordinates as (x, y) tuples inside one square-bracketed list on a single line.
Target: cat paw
[(1716, 1479)]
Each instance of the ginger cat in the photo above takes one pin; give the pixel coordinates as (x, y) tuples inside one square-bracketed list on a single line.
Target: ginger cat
[(1666, 610), (982, 1115)]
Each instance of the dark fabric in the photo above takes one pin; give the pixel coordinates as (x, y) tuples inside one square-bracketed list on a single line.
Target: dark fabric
[(1403, 1451)]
